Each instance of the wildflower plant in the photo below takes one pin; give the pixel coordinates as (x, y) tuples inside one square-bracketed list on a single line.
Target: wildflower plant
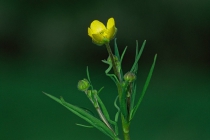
[(126, 86)]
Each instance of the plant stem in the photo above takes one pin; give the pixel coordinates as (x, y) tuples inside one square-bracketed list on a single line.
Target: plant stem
[(113, 62), (125, 123), (104, 119), (126, 128)]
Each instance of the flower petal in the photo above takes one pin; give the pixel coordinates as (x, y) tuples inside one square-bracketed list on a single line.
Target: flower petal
[(98, 37), (96, 26), (111, 33), (110, 23)]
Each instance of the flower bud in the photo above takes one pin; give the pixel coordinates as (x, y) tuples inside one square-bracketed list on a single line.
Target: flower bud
[(83, 85), (129, 77)]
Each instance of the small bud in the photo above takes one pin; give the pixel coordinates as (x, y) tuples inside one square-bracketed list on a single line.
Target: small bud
[(129, 77), (83, 85)]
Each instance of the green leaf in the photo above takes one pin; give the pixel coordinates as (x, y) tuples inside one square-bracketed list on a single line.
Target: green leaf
[(144, 88), (87, 126), (88, 75), (121, 59), (116, 51), (123, 54), (137, 48), (84, 115), (103, 107), (117, 114), (112, 76), (105, 112), (133, 95), (138, 56), (100, 89)]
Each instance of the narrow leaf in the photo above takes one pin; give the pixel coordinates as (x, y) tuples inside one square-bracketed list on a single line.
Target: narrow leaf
[(133, 95), (123, 54), (138, 56), (116, 115), (87, 126), (84, 115), (100, 89), (88, 75), (103, 107), (144, 88), (116, 51)]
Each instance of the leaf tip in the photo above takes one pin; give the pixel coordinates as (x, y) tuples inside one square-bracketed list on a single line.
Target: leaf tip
[(44, 93)]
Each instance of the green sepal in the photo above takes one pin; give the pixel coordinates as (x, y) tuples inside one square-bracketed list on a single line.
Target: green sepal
[(84, 115), (133, 111)]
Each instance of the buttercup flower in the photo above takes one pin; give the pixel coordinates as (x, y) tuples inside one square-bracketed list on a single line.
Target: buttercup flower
[(100, 34)]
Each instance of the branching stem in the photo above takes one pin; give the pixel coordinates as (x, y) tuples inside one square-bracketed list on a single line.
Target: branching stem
[(125, 123)]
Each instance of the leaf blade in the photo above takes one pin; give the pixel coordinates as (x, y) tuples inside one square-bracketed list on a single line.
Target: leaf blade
[(144, 88), (84, 115)]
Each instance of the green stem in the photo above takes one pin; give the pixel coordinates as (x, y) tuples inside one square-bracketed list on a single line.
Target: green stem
[(126, 128), (113, 62), (125, 123), (104, 119)]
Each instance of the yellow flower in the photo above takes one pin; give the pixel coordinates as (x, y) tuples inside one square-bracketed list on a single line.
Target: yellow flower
[(100, 34)]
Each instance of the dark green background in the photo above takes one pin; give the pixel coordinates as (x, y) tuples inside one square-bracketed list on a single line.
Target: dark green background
[(44, 46)]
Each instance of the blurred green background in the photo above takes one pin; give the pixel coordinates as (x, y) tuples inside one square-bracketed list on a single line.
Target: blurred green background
[(44, 46)]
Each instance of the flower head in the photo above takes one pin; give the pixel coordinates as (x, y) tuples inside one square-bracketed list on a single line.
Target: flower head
[(100, 34)]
